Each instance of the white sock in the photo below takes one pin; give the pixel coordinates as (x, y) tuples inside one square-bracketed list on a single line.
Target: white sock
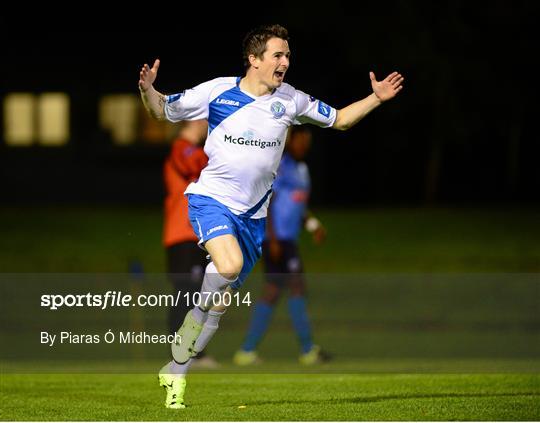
[(199, 315), (209, 329), (213, 283), (179, 369)]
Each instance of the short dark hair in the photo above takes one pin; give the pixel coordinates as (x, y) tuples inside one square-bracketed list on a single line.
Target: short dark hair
[(255, 41)]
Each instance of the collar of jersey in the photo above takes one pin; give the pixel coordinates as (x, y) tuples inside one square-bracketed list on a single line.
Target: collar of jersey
[(262, 97)]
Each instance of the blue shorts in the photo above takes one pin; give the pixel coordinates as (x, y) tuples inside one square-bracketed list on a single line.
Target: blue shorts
[(210, 219)]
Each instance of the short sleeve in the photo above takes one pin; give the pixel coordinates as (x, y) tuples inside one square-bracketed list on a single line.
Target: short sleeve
[(311, 110), (191, 104)]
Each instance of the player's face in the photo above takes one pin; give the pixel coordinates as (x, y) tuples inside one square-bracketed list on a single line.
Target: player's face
[(274, 63)]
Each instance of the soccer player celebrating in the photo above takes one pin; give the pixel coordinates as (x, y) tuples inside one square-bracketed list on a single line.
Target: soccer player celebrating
[(248, 118)]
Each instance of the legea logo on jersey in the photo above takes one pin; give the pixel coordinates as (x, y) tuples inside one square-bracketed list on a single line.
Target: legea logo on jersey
[(324, 109), (228, 102), (278, 109), (216, 228), (252, 142)]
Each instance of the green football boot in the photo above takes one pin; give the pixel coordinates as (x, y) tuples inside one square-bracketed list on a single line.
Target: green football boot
[(246, 358), (175, 386), (314, 356)]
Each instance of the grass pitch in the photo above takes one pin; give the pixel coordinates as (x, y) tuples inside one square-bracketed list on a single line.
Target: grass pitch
[(425, 351), (275, 397), (104, 239)]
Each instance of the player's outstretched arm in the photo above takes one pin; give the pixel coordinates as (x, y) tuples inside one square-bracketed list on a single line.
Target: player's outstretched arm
[(383, 91), (153, 100)]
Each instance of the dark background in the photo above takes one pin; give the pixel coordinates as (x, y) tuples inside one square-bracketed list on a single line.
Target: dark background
[(463, 130)]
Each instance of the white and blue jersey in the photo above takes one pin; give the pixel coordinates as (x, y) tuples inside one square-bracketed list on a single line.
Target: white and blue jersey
[(246, 137), (291, 194)]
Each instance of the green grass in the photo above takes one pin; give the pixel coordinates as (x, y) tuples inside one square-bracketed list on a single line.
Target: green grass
[(275, 397), (432, 314), (104, 239)]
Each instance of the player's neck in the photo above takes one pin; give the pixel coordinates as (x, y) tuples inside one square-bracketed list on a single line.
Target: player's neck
[(254, 86)]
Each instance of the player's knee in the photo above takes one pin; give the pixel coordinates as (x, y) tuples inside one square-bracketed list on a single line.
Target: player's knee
[(297, 288), (298, 291), (229, 267), (271, 294), (219, 308)]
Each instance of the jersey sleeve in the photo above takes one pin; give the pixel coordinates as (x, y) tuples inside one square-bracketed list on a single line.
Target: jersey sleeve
[(191, 104), (311, 110)]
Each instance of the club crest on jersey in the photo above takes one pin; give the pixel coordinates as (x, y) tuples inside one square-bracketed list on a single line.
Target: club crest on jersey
[(324, 109), (277, 109)]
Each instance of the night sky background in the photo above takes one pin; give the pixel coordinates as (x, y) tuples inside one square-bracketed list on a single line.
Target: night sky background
[(463, 131)]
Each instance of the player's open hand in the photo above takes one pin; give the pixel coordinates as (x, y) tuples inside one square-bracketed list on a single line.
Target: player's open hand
[(148, 75), (388, 87)]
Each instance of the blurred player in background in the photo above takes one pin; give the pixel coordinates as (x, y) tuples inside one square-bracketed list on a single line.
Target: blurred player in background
[(283, 265), (248, 119), (185, 260)]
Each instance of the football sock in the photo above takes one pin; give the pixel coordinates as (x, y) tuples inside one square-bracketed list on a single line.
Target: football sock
[(300, 321), (180, 369), (213, 283), (199, 315), (209, 329), (260, 319)]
